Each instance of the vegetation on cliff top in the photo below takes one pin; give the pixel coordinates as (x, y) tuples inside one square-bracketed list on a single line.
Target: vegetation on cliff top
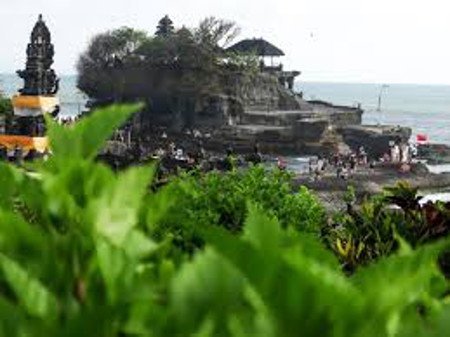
[(84, 252), (174, 71)]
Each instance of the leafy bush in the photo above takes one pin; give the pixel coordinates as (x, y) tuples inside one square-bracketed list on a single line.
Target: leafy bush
[(220, 199), (84, 263), (5, 105), (370, 231)]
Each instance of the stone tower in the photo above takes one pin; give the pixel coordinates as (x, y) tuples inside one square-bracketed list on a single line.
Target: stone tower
[(38, 95), (165, 27), (39, 77)]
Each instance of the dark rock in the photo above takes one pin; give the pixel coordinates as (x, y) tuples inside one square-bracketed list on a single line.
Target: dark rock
[(375, 139), (434, 153)]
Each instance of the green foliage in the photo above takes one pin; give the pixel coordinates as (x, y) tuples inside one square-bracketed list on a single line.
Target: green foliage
[(5, 106), (304, 295), (6, 111), (243, 62), (220, 199), (371, 230), (86, 263), (177, 71), (87, 139)]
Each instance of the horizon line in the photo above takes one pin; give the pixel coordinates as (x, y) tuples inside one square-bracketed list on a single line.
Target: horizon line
[(331, 81)]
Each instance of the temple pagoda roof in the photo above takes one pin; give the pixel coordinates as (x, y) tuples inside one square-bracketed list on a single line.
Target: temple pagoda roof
[(259, 46)]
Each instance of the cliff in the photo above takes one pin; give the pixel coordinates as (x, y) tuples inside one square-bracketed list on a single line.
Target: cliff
[(266, 113)]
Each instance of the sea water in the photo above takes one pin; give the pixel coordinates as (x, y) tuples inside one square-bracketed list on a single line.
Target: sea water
[(72, 100), (424, 108)]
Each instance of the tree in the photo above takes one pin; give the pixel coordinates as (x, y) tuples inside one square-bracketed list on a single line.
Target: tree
[(107, 52), (174, 72), (5, 106), (6, 111), (216, 32)]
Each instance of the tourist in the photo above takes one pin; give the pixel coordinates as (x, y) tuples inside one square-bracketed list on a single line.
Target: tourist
[(3, 153), (339, 167), (395, 153), (372, 166), (255, 157), (18, 155), (352, 162), (362, 156), (344, 173), (404, 150), (405, 168), (230, 160), (413, 150), (281, 163), (179, 155), (320, 164), (172, 149), (10, 154)]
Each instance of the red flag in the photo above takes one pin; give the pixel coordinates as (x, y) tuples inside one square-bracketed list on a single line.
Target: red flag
[(421, 137)]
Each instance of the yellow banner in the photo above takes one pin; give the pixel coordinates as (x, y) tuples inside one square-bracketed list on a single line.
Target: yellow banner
[(39, 144)]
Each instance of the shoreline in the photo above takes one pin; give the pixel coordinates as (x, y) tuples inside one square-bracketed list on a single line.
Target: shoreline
[(330, 190)]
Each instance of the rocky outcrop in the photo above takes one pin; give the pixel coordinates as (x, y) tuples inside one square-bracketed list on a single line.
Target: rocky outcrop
[(261, 92), (258, 109), (375, 139), (338, 115), (434, 154)]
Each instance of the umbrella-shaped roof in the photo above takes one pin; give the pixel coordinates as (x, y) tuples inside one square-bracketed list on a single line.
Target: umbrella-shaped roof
[(259, 46)]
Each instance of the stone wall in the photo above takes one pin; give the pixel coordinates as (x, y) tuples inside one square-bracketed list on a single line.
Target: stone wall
[(337, 114), (262, 92)]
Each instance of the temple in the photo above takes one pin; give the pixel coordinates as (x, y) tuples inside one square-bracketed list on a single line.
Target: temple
[(266, 51), (36, 98), (39, 78), (38, 95), (165, 27)]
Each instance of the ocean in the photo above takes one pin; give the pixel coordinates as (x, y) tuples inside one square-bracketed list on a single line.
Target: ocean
[(424, 108), (71, 99)]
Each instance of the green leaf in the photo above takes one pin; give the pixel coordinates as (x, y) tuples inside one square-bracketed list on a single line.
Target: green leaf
[(394, 283), (30, 292), (19, 238), (296, 289), (86, 138), (8, 185), (115, 212), (138, 245), (115, 268), (11, 319), (207, 288), (262, 231), (160, 203)]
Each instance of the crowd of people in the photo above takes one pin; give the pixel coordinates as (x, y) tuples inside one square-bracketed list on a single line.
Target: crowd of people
[(400, 154), (68, 120), (18, 155), (344, 166)]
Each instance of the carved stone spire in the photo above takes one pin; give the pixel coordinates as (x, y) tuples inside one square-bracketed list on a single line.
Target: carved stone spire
[(165, 27), (39, 77)]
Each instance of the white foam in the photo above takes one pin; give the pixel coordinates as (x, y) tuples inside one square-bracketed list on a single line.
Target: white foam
[(439, 168), (445, 197)]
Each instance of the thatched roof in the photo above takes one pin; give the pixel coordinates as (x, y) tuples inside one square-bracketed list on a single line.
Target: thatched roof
[(259, 46)]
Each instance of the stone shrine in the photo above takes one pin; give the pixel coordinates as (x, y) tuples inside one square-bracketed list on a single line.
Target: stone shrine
[(38, 95)]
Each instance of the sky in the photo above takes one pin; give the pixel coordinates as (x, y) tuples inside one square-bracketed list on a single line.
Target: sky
[(376, 41)]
